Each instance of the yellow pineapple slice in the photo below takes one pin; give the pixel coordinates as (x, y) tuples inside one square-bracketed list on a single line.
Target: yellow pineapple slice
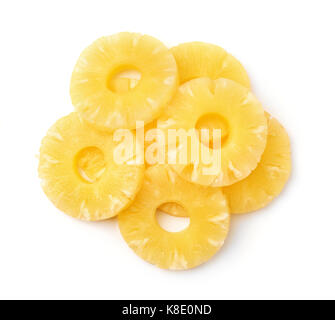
[(199, 59), (207, 209), (216, 104), (269, 178), (79, 172), (98, 91)]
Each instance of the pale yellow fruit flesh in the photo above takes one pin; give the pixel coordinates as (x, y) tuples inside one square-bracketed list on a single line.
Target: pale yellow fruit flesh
[(103, 101), (199, 59), (268, 180), (207, 209), (79, 174), (245, 132)]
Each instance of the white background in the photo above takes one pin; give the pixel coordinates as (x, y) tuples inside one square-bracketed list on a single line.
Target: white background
[(284, 251)]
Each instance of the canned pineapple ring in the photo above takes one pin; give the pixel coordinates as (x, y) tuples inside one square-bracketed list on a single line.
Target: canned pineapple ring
[(199, 59), (207, 209), (101, 96), (79, 173), (267, 181), (210, 105)]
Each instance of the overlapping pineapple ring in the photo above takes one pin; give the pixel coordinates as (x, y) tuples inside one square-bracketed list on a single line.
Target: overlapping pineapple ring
[(209, 221), (64, 185), (268, 179), (199, 59), (108, 110), (246, 135), (265, 183)]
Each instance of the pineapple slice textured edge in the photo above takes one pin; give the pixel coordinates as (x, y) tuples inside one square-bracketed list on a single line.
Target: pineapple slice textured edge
[(267, 181), (199, 59)]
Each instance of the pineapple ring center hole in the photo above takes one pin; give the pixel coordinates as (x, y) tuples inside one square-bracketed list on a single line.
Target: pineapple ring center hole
[(169, 222), (206, 125), (124, 80), (90, 164)]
